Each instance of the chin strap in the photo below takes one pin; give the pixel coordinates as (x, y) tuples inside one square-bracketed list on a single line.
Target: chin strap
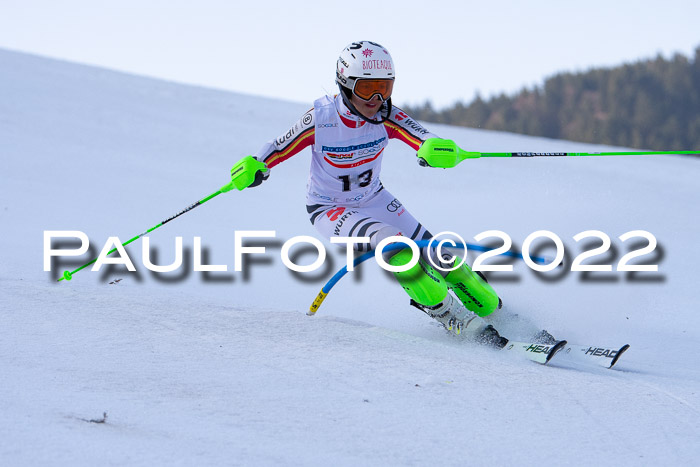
[(384, 111)]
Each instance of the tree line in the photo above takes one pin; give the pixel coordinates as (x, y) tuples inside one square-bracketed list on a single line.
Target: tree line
[(650, 104)]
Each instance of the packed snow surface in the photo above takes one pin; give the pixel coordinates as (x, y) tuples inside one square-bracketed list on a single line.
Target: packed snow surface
[(195, 368)]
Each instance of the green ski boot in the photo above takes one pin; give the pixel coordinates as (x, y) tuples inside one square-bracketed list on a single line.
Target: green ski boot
[(472, 290)]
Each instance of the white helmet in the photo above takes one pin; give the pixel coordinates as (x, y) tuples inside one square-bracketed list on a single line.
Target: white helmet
[(366, 69)]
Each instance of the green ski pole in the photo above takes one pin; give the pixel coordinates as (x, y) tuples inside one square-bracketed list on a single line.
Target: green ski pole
[(68, 275), (558, 154), (240, 180), (444, 153)]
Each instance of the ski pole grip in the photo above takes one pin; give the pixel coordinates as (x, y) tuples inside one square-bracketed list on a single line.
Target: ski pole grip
[(243, 173), (443, 153)]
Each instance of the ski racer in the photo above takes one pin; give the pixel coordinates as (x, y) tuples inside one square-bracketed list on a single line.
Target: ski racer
[(348, 134)]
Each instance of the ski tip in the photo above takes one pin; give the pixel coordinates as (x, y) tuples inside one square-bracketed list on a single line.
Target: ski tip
[(622, 350), (553, 351)]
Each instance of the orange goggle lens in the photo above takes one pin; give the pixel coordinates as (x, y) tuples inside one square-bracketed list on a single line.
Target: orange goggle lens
[(366, 88)]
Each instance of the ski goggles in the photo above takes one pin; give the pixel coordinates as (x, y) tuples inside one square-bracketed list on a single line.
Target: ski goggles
[(366, 89)]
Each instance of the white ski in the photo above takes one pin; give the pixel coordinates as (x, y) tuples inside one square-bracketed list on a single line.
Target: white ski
[(592, 355), (539, 353)]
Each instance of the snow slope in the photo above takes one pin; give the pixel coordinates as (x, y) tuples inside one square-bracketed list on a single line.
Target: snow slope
[(225, 368)]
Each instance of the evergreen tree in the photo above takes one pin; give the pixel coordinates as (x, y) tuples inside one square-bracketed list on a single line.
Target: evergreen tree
[(651, 104)]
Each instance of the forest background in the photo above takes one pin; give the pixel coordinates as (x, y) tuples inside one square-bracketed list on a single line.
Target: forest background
[(650, 104)]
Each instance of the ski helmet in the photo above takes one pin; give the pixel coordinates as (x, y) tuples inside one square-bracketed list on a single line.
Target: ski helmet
[(365, 69)]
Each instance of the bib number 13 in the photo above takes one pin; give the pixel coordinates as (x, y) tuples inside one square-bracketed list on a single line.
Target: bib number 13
[(364, 179)]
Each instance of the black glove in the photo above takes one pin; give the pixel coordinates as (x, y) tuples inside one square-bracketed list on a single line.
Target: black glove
[(260, 177)]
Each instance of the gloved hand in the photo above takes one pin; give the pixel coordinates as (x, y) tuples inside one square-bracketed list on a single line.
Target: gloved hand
[(247, 172), (442, 153)]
